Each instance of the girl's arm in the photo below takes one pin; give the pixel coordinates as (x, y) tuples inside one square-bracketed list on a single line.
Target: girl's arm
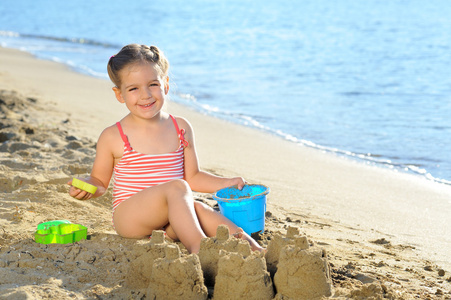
[(102, 169), (201, 181)]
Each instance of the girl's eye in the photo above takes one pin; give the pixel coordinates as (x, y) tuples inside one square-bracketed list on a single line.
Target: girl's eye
[(132, 89)]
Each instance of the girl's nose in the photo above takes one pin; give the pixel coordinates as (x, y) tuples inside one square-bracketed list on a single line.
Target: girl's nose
[(147, 94)]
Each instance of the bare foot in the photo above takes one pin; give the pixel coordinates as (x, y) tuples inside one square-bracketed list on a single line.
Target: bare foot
[(240, 234)]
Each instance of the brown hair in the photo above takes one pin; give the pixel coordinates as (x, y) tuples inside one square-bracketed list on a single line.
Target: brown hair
[(134, 53)]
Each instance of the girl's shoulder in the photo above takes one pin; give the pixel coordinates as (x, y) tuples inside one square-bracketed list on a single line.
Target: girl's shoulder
[(110, 141), (110, 134), (188, 133), (111, 131), (183, 123)]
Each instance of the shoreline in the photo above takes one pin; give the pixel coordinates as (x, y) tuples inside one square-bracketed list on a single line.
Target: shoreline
[(336, 200), (360, 158)]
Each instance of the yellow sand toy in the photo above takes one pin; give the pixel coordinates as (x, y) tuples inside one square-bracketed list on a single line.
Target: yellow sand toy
[(84, 186)]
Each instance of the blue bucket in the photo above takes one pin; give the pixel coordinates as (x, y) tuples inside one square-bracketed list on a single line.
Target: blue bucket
[(246, 208)]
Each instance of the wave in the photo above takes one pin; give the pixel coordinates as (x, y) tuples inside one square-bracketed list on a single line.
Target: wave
[(83, 41)]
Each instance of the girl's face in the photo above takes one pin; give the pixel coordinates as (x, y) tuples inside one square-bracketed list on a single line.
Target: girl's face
[(142, 89)]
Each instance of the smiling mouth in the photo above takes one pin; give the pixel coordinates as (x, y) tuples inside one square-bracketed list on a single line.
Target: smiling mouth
[(148, 105)]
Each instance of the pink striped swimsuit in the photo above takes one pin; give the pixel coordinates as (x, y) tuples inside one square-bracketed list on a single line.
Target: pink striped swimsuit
[(136, 171)]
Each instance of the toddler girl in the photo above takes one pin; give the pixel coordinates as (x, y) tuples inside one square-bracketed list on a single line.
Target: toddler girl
[(152, 158)]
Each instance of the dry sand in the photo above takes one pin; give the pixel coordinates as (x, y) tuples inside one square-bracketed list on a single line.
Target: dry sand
[(362, 231)]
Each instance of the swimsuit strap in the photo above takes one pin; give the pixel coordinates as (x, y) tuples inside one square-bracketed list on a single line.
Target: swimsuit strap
[(123, 136), (180, 132)]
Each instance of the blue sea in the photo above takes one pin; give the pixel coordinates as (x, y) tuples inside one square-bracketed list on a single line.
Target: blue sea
[(365, 79)]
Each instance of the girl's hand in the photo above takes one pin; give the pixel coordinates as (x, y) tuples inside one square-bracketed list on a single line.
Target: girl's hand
[(78, 193), (238, 181)]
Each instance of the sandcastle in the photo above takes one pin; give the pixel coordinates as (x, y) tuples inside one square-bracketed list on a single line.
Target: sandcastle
[(302, 271), (140, 269), (236, 271), (243, 277), (177, 277), (276, 245), (209, 253)]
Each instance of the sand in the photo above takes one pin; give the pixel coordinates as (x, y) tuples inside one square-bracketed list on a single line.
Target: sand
[(363, 232)]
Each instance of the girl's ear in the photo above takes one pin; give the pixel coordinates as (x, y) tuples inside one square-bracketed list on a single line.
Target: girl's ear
[(118, 94), (166, 85)]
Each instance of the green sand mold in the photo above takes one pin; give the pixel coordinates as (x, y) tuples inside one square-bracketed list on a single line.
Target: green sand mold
[(62, 233), (47, 225)]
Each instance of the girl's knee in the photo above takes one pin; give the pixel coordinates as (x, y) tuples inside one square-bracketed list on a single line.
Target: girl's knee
[(179, 185), (201, 207)]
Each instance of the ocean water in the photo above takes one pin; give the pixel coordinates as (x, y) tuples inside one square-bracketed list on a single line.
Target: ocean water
[(365, 79)]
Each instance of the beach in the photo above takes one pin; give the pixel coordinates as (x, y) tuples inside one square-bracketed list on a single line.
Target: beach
[(385, 233)]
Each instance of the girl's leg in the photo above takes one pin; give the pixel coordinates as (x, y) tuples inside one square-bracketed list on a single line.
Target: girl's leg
[(156, 207), (210, 220)]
